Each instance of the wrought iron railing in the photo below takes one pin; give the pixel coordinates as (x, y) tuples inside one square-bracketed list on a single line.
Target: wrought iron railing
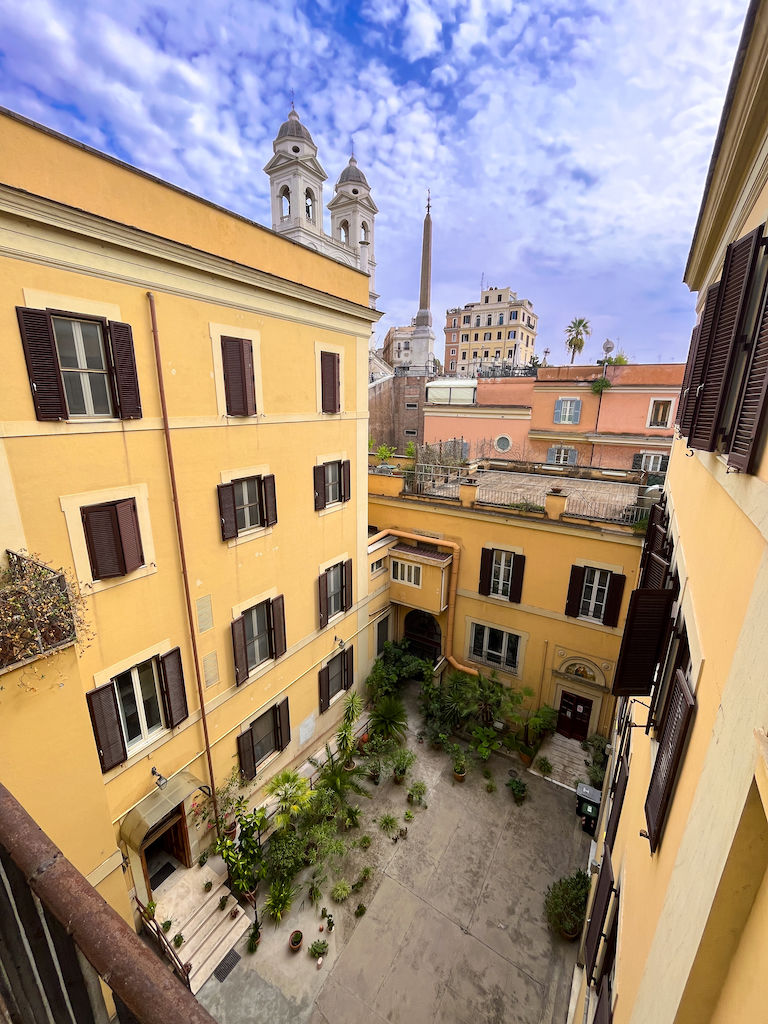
[(35, 611), (152, 928)]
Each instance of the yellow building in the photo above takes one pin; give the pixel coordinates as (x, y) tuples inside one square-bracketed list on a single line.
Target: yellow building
[(185, 433), (677, 929)]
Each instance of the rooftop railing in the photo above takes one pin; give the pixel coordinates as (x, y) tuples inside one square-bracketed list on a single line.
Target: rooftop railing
[(36, 614)]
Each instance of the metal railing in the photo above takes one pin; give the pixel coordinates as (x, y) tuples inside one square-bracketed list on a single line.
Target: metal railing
[(612, 512), (150, 925), (35, 611)]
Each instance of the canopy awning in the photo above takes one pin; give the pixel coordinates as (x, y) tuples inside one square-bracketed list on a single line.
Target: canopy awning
[(158, 805)]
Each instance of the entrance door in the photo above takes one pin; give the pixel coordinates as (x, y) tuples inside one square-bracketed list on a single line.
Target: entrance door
[(573, 716), (422, 631), (168, 837)]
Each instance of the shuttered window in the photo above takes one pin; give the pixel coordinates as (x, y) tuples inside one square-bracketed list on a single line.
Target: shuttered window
[(329, 382), (603, 1011), (268, 733), (332, 483), (642, 642), (567, 410), (618, 800), (334, 591), (595, 594), (249, 503), (113, 538), (173, 690), (677, 723), (596, 924), (501, 574), (337, 675), (697, 356), (751, 400), (79, 367), (727, 329), (239, 387), (105, 718), (258, 635), (655, 561)]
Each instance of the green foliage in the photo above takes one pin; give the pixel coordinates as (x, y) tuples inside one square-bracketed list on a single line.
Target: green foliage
[(485, 741), (576, 333), (410, 450), (402, 761), (463, 699), (285, 855), (490, 787), (341, 891), (518, 789), (393, 669), (178, 939), (417, 792), (408, 816), (353, 707), (596, 774), (167, 926), (565, 903), (338, 780), (318, 948), (254, 936), (538, 724), (202, 859), (293, 795), (364, 841), (595, 745), (223, 901), (458, 758), (600, 385), (389, 719), (315, 887), (388, 824), (362, 878), (385, 452), (544, 765), (360, 909), (345, 742), (352, 816), (243, 857), (279, 900)]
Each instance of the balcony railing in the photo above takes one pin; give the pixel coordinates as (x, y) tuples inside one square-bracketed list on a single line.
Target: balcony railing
[(35, 611)]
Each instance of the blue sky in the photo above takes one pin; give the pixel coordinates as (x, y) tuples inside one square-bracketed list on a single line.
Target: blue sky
[(565, 144)]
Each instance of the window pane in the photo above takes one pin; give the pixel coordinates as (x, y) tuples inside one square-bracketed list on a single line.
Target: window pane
[(102, 404), (149, 696), (335, 675), (333, 482), (65, 342), (495, 645), (510, 658), (126, 698), (334, 589), (92, 347), (247, 510), (263, 730), (256, 622), (73, 389)]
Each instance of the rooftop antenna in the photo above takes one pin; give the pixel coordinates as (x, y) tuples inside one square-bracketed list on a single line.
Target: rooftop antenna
[(292, 106), (429, 201)]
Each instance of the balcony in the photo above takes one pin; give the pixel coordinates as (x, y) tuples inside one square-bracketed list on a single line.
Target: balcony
[(36, 611)]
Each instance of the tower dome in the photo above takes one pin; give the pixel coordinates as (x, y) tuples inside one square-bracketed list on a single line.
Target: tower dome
[(352, 173), (293, 128)]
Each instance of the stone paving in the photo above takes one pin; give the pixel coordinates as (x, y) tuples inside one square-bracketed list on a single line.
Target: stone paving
[(454, 931)]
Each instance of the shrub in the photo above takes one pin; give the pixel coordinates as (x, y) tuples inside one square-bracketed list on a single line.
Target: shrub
[(360, 910), (223, 902), (341, 891), (167, 926), (417, 792), (279, 899), (178, 938), (318, 948), (544, 765), (388, 824), (518, 789), (364, 842), (565, 903), (389, 719), (254, 936), (203, 857), (402, 762)]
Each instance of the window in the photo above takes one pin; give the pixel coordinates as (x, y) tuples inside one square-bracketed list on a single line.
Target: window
[(453, 364), (332, 483), (561, 455), (329, 382), (464, 338), (498, 297), (377, 566), (475, 336), (406, 345), (503, 443), (488, 320), (247, 504), (136, 705), (498, 352), (267, 734), (411, 433), (464, 354), (487, 336), (79, 367), (509, 353), (650, 462), (338, 675), (453, 322), (309, 205), (406, 572), (112, 538), (477, 321), (239, 388), (285, 201), (567, 410), (660, 413), (511, 335), (501, 574), (474, 354), (466, 320), (498, 335), (487, 297), (513, 315), (453, 351), (344, 232), (495, 646), (595, 594), (485, 353), (680, 708), (411, 405), (258, 635), (335, 591), (382, 634), (501, 318)]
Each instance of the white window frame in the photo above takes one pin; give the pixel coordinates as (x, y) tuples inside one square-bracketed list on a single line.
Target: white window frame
[(406, 572), (147, 734), (83, 371), (378, 565), (337, 662), (497, 444), (500, 664), (335, 573), (655, 401), (332, 480), (594, 593), (501, 572), (250, 619), (650, 462), (568, 408), (561, 454)]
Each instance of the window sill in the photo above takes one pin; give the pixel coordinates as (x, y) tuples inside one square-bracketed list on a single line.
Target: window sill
[(139, 752), (330, 509), (97, 586), (260, 670), (256, 533), (494, 665)]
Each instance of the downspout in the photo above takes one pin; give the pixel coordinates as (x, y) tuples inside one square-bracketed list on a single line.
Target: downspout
[(183, 557), (452, 587)]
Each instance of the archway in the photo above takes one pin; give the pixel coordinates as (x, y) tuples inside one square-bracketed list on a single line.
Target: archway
[(344, 232), (422, 631), (285, 201), (309, 204)]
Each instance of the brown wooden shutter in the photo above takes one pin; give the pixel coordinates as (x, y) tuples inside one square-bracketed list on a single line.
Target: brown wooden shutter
[(618, 800), (641, 645), (278, 626), (685, 389), (227, 511), (668, 758), (698, 358), (172, 688), (282, 724), (603, 1012), (246, 754), (738, 270), (613, 599), (105, 718), (575, 590), (603, 892), (329, 381), (346, 481), (237, 362), (126, 377), (516, 580), (655, 574), (42, 363), (130, 536), (239, 651), (318, 477), (486, 566), (102, 538), (322, 590), (323, 679), (750, 406), (349, 667), (269, 499), (347, 585)]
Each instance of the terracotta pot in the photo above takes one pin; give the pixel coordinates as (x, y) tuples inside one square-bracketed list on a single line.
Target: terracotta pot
[(459, 776), (525, 758), (296, 941), (398, 779), (230, 830)]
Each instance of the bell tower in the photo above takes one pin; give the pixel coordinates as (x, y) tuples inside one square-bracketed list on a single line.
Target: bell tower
[(296, 184), (352, 219)]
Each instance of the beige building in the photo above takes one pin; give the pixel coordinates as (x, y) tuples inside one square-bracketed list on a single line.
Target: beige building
[(494, 335)]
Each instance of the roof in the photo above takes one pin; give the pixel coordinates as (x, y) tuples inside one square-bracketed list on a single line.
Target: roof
[(621, 375), (293, 128), (413, 552), (352, 173)]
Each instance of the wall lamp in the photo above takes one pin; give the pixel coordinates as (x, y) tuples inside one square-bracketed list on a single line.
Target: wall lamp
[(160, 781), (339, 642)]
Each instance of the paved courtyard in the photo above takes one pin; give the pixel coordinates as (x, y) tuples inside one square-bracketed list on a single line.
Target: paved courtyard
[(454, 930)]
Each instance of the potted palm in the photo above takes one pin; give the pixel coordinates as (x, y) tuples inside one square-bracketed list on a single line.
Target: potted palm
[(459, 759), (402, 762)]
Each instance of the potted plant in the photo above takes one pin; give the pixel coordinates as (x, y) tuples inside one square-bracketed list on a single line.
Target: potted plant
[(178, 938), (207, 885), (459, 758), (417, 792), (518, 789), (254, 936), (244, 858), (149, 911), (565, 904), (402, 762), (279, 899), (167, 926), (295, 941), (318, 948), (544, 765), (341, 891)]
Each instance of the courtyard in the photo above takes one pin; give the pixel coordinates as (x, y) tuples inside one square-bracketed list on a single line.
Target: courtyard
[(454, 928)]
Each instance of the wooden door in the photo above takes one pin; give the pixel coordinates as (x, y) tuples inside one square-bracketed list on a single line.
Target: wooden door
[(573, 716)]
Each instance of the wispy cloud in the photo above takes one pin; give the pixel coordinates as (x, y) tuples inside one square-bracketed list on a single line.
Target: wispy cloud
[(566, 145)]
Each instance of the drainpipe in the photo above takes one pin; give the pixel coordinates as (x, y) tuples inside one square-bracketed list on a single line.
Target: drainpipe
[(452, 587), (182, 555)]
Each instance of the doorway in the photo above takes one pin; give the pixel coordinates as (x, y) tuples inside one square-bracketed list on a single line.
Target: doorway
[(165, 849), (422, 632), (573, 716)]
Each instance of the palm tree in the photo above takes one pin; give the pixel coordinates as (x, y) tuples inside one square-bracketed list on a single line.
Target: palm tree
[(389, 719), (576, 333), (293, 794), (338, 780)]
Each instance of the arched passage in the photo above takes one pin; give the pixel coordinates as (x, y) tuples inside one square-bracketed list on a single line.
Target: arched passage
[(285, 201), (422, 631)]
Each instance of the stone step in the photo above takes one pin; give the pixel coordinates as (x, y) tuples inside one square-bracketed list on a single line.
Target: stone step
[(198, 932), (198, 918), (184, 900), (215, 947)]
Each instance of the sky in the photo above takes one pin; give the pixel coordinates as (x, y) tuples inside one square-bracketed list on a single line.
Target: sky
[(565, 145)]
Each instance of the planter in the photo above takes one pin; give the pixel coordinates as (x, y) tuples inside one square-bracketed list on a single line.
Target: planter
[(230, 830), (350, 766), (398, 779), (361, 741), (568, 936), (459, 776), (527, 759), (296, 941), (375, 777)]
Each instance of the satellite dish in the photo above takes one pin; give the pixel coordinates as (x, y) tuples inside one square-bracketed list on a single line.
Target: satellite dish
[(608, 346)]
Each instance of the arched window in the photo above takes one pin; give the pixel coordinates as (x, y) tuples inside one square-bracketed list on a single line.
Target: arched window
[(285, 201), (477, 321), (309, 205), (363, 232), (344, 232)]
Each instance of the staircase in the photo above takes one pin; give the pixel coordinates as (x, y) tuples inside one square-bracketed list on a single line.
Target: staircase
[(209, 933)]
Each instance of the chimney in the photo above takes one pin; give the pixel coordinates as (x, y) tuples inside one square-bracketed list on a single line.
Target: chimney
[(555, 503)]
